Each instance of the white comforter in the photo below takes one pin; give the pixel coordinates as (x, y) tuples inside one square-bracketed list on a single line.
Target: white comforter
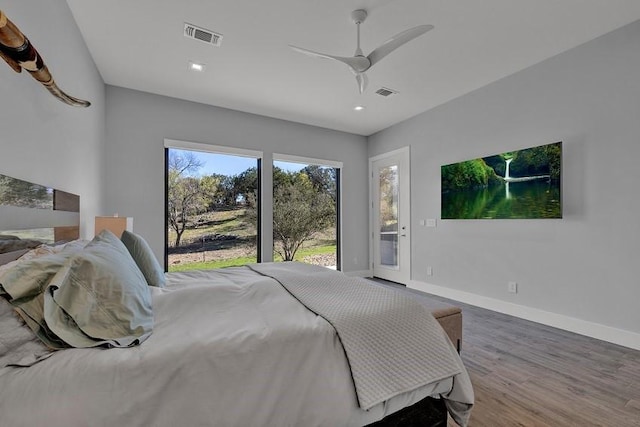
[(230, 348)]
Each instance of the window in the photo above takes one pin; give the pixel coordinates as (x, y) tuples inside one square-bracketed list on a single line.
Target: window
[(212, 206), (306, 207)]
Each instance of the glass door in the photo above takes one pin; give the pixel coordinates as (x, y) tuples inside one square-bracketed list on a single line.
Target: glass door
[(390, 192)]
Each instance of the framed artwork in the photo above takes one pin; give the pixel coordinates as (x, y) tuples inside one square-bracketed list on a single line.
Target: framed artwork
[(513, 185)]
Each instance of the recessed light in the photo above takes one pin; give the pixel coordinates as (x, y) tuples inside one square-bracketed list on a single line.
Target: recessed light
[(359, 107), (196, 66)]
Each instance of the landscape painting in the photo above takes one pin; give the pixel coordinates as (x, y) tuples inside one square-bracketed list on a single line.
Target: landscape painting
[(512, 185)]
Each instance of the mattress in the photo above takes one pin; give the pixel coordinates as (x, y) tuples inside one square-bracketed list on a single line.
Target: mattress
[(229, 348)]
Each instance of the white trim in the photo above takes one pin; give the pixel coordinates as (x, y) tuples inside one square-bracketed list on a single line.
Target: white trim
[(402, 151), (306, 160), (210, 148), (583, 327), (395, 152)]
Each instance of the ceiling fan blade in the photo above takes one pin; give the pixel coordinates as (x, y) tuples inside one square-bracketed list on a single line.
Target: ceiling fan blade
[(396, 41), (356, 63), (363, 81)]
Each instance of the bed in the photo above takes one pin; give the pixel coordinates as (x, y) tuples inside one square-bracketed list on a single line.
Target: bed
[(233, 347)]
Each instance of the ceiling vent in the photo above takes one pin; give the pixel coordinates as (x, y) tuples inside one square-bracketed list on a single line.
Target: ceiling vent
[(384, 91), (199, 33)]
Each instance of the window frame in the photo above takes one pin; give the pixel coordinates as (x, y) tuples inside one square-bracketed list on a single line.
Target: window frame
[(211, 149), (338, 166)]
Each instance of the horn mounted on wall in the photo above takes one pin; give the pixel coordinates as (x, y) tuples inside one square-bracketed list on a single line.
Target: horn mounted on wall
[(20, 54)]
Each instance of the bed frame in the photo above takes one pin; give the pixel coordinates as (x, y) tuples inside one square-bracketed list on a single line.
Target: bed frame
[(33, 211), (429, 412)]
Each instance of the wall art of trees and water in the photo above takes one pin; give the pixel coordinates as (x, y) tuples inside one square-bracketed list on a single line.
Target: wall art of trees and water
[(516, 184)]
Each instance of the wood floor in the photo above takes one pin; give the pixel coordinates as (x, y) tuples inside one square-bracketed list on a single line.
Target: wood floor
[(527, 374)]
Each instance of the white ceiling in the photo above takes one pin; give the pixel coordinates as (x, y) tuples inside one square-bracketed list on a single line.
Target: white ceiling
[(139, 44)]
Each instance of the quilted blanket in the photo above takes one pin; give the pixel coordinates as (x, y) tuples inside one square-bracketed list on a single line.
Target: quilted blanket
[(392, 343)]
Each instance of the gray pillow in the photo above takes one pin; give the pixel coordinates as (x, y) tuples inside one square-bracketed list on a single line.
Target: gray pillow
[(25, 284), (16, 245), (12, 256), (99, 297), (18, 344), (31, 277), (144, 258)]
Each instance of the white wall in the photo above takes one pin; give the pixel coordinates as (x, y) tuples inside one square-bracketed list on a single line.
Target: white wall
[(138, 123), (43, 140), (580, 272)]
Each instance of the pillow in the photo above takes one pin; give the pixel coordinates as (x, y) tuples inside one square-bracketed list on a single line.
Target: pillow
[(10, 245), (25, 282), (40, 251), (8, 237), (71, 246), (99, 297), (18, 344), (27, 278), (144, 258), (12, 256)]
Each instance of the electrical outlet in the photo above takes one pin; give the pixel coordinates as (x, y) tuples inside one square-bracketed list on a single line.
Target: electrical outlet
[(512, 287), (429, 271)]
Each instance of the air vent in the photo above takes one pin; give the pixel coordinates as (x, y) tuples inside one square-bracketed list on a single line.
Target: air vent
[(383, 91), (199, 33)]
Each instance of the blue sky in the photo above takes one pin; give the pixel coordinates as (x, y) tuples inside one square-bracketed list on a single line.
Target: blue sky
[(224, 164)]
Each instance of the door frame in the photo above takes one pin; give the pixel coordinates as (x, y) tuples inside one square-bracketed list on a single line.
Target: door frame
[(405, 152)]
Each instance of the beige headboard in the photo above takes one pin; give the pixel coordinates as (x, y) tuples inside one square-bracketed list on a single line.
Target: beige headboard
[(31, 211)]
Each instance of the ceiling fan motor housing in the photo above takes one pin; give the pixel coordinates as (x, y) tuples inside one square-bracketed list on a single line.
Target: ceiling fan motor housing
[(358, 16)]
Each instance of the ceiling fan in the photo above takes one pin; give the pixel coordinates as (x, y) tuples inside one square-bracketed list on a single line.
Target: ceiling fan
[(359, 64)]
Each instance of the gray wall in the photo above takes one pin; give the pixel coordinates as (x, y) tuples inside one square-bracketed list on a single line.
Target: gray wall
[(43, 140), (582, 266), (138, 123)]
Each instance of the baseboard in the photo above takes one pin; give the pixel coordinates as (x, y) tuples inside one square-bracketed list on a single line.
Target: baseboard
[(560, 321), (360, 273)]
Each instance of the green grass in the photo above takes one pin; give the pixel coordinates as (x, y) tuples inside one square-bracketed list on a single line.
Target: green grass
[(313, 250), (227, 222), (233, 222), (209, 265)]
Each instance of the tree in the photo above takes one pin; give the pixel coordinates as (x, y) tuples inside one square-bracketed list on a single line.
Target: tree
[(303, 204), (323, 178), (22, 193), (299, 210), (212, 191), (185, 163), (185, 196), (245, 185), (389, 199)]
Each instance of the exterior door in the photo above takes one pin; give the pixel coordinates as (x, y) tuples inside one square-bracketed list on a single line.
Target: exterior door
[(390, 216)]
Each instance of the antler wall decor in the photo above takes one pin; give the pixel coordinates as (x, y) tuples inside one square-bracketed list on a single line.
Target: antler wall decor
[(18, 52)]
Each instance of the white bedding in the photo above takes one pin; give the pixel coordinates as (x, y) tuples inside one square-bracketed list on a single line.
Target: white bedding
[(229, 348)]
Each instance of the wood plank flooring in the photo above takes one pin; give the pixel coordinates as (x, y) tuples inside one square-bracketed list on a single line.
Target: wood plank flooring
[(528, 374)]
